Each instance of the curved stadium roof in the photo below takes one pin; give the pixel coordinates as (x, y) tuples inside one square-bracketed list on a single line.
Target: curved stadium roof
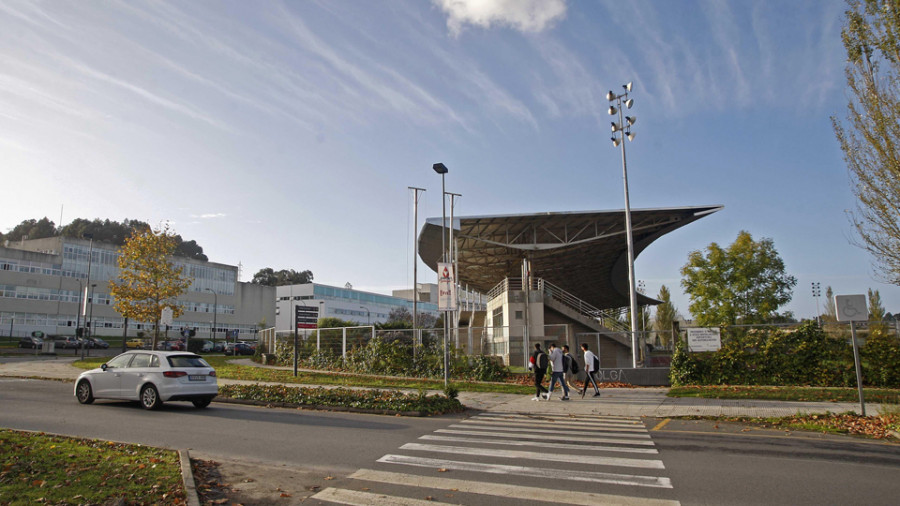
[(584, 253)]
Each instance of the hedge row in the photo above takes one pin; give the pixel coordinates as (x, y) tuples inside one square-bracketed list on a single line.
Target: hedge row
[(394, 358), (807, 355), (390, 401)]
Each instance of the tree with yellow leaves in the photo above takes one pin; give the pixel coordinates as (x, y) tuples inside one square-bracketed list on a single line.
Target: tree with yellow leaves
[(149, 280)]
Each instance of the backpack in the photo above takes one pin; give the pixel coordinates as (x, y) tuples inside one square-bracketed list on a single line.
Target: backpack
[(596, 363), (571, 364), (541, 361)]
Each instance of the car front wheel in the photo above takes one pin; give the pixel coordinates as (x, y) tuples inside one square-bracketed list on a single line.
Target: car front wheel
[(84, 394), (150, 397)]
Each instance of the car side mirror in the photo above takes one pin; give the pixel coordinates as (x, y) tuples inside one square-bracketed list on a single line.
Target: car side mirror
[(103, 367)]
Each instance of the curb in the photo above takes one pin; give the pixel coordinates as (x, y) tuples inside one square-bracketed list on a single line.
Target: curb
[(187, 476), (320, 407)]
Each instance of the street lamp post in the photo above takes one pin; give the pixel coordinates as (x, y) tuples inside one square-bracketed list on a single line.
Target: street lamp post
[(415, 314), (441, 169), (90, 261), (368, 315), (215, 313), (78, 309), (90, 321), (621, 130)]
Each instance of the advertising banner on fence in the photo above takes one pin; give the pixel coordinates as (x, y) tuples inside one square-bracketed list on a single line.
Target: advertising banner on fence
[(704, 339), (446, 288)]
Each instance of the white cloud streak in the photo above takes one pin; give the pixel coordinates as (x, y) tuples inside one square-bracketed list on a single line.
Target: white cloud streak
[(524, 15)]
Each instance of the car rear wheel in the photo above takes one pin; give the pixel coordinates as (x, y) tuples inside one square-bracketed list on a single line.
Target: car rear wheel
[(83, 393), (150, 397), (201, 403)]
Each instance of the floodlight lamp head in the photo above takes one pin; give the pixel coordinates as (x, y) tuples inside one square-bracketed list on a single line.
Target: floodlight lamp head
[(615, 127), (630, 135), (440, 168), (627, 87), (615, 141), (612, 110), (610, 96), (629, 103), (630, 119)]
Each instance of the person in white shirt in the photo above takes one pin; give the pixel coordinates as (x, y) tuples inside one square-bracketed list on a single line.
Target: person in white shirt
[(556, 359), (590, 369)]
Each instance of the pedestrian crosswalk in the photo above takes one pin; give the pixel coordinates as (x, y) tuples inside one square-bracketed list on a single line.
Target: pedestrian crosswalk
[(498, 458)]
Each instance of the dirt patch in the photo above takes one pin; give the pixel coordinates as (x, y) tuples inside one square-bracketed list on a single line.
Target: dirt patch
[(231, 482)]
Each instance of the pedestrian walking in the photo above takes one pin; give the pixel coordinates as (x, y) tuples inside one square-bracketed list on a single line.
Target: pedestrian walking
[(570, 363), (591, 365), (538, 363), (559, 374)]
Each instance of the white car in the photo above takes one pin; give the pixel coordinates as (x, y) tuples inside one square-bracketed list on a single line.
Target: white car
[(150, 377)]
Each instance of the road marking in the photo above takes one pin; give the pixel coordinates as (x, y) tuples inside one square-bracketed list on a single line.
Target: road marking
[(555, 437), (567, 419), (544, 444), (543, 472), (662, 424), (357, 498), (560, 425), (554, 431), (504, 490), (552, 457)]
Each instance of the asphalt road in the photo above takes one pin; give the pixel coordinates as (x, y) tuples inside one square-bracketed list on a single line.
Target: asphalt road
[(696, 462)]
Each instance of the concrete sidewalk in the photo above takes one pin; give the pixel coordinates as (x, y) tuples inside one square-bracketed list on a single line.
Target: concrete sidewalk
[(612, 401)]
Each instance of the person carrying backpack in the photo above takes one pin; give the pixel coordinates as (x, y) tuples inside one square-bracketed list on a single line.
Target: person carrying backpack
[(570, 364), (556, 358), (591, 365), (538, 363)]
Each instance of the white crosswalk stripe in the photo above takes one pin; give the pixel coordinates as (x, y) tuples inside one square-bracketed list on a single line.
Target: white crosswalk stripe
[(557, 449)]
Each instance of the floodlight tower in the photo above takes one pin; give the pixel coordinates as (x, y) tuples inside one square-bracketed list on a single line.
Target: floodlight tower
[(816, 293), (620, 131)]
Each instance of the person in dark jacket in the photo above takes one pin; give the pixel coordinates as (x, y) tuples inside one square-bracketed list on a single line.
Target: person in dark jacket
[(538, 363)]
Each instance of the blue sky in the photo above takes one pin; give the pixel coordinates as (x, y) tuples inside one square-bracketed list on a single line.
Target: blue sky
[(285, 134)]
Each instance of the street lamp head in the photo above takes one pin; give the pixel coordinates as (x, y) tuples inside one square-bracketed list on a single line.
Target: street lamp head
[(610, 96), (615, 127), (615, 141), (612, 110), (440, 168), (630, 119), (627, 87), (629, 103), (87, 236), (630, 136)]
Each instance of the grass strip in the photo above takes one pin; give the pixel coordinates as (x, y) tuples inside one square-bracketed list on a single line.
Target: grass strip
[(884, 426), (42, 468), (386, 401), (787, 393), (228, 370)]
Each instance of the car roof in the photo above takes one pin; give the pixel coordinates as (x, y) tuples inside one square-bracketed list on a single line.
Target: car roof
[(163, 353)]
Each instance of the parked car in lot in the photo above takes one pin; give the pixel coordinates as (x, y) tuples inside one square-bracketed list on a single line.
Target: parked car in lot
[(96, 342), (31, 342), (137, 344), (151, 378), (69, 343), (170, 345), (206, 346), (238, 349)]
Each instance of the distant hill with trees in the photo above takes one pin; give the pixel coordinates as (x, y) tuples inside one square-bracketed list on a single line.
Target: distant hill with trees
[(108, 231)]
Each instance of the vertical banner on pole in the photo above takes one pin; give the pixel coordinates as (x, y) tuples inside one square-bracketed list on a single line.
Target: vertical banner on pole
[(446, 287)]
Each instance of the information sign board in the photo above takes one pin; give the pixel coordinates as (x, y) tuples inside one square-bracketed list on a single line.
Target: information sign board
[(306, 317), (704, 339)]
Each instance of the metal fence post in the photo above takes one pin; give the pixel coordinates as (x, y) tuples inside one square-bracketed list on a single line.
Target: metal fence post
[(344, 343)]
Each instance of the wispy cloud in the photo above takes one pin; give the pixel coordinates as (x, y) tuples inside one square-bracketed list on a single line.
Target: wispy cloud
[(523, 15), (207, 216)]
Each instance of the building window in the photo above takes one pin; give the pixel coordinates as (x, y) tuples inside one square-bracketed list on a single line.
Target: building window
[(519, 315)]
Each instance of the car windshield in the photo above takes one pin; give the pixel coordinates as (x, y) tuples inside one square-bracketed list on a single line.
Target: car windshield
[(186, 361)]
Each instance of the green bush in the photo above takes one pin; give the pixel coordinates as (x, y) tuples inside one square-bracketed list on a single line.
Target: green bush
[(773, 356)]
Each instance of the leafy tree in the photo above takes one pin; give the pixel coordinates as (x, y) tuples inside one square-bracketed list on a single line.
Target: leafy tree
[(666, 313), (270, 277), (745, 283), (870, 137), (876, 313), (32, 229), (149, 282)]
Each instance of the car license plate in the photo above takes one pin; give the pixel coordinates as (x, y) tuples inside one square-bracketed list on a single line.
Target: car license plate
[(197, 377)]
